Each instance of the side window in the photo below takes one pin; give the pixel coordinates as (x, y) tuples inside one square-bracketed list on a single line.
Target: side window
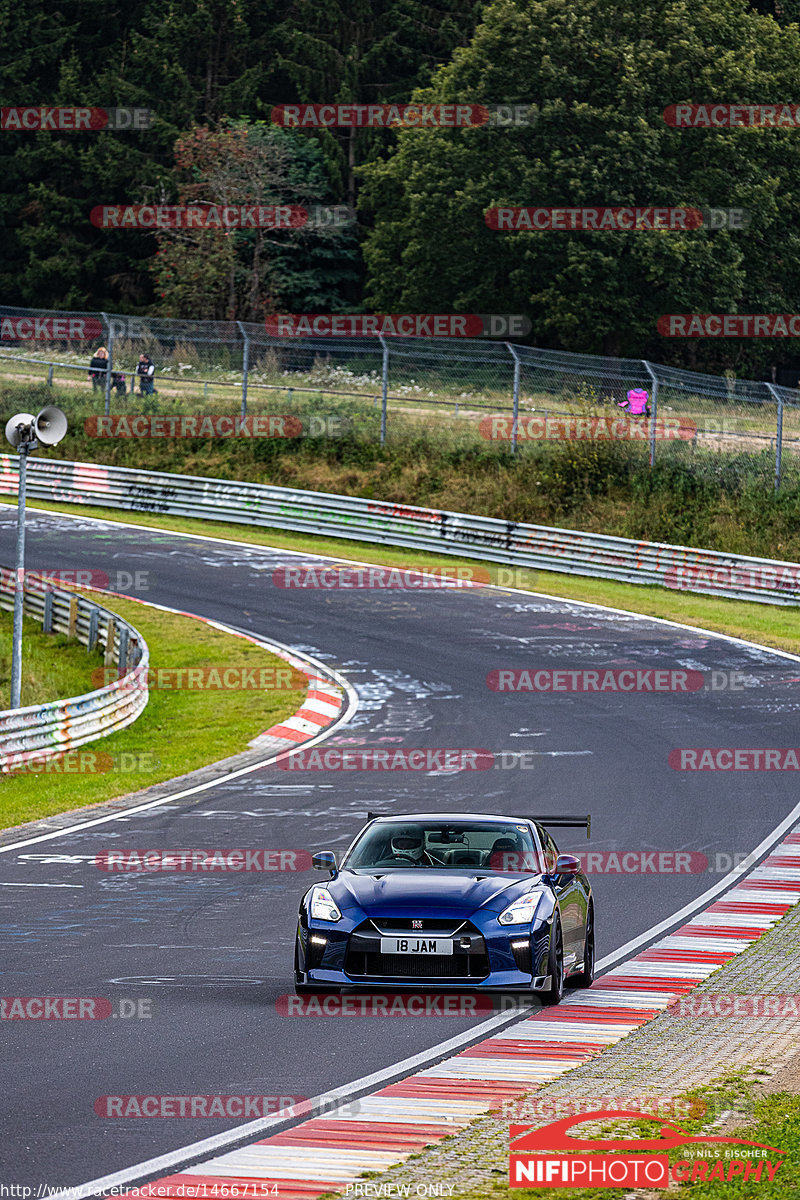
[(550, 852)]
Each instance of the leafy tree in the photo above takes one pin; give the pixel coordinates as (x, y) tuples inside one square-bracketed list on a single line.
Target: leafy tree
[(362, 51), (245, 274), (601, 73)]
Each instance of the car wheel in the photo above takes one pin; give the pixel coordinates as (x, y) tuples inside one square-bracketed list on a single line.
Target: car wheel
[(555, 965), (585, 978)]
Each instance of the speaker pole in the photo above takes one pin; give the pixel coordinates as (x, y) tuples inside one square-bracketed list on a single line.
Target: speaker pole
[(19, 580)]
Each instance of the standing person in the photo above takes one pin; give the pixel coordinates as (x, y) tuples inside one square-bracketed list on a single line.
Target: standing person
[(146, 371), (637, 402), (98, 368)]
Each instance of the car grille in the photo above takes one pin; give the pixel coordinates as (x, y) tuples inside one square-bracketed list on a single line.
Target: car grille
[(407, 966), (431, 928), (365, 960)]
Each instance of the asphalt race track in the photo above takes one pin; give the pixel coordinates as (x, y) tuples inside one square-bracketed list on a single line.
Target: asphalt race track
[(213, 954)]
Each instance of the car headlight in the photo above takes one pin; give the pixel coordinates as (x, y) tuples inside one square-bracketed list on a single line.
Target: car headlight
[(521, 911), (323, 906)]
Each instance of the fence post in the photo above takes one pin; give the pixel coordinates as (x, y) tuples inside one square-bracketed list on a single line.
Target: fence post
[(384, 387), (515, 420), (654, 382), (778, 434), (109, 361), (245, 366)]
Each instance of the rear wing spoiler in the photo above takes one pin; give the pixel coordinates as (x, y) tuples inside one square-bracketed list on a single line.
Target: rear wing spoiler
[(555, 822), (566, 823)]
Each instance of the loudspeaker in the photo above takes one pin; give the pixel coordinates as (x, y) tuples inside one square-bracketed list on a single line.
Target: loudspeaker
[(13, 434), (50, 426)]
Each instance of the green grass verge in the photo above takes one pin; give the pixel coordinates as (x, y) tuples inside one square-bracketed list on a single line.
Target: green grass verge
[(178, 732), (52, 666), (719, 499), (774, 1120), (771, 625)]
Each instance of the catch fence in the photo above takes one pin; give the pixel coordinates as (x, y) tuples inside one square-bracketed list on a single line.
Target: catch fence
[(461, 392)]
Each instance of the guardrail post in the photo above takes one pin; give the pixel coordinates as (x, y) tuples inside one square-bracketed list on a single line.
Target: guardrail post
[(93, 623), (515, 420), (109, 361), (778, 434), (108, 659), (50, 377), (245, 366), (47, 616), (654, 381), (384, 387), (122, 657), (72, 625)]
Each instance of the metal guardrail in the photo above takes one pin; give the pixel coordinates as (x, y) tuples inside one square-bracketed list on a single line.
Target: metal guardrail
[(323, 514), (42, 730)]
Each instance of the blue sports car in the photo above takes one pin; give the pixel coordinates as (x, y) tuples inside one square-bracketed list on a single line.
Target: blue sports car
[(449, 900)]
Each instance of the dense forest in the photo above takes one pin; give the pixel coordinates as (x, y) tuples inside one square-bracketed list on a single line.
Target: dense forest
[(594, 77)]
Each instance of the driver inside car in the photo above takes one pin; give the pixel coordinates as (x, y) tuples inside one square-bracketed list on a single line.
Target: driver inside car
[(409, 847)]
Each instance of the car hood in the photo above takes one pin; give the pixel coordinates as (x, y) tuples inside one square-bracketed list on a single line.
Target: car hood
[(397, 891)]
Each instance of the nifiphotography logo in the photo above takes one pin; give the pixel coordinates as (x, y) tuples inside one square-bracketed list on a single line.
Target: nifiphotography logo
[(632, 1162)]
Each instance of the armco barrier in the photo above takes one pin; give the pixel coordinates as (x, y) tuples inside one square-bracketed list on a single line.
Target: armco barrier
[(34, 733), (508, 542)]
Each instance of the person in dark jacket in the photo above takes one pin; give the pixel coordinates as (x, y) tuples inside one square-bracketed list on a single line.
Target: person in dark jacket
[(98, 368), (146, 371)]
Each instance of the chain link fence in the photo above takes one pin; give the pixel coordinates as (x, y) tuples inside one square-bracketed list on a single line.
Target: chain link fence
[(463, 393)]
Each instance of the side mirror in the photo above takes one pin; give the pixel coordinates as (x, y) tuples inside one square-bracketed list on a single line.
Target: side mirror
[(324, 861), (567, 864)]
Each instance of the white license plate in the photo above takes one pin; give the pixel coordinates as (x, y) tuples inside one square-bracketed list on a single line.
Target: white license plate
[(416, 945)]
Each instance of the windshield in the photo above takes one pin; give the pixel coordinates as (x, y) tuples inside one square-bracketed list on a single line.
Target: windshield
[(490, 845)]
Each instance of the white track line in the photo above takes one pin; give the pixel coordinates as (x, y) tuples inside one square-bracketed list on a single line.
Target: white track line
[(348, 712)]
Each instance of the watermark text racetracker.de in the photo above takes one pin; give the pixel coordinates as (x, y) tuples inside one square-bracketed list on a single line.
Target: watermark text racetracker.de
[(419, 325), (79, 762), (569, 427), (333, 577), (48, 579), (206, 679), (735, 758), (764, 1006), (226, 1107), (72, 1008), (425, 759), (410, 116), (45, 118), (203, 861), (612, 681), (729, 325), (336, 577), (728, 116), (614, 220), (214, 425)]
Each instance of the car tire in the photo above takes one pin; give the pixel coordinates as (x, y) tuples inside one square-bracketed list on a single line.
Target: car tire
[(585, 978), (555, 965)]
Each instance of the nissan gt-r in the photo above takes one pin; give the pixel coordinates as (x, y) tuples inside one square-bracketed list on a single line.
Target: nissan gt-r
[(449, 900)]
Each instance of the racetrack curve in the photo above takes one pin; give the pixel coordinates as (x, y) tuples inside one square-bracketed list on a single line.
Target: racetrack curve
[(214, 953)]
